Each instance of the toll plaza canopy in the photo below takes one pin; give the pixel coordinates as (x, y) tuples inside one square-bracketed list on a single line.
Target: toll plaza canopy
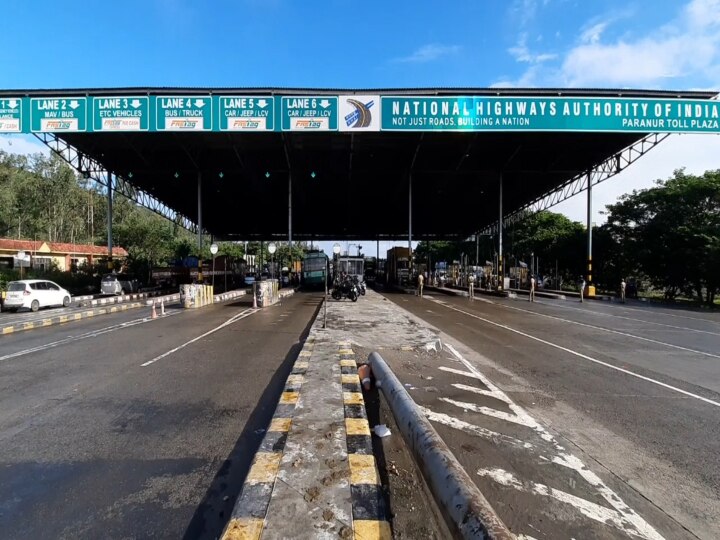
[(348, 161)]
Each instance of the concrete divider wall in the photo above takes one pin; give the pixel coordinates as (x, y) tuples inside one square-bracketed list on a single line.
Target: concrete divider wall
[(465, 508)]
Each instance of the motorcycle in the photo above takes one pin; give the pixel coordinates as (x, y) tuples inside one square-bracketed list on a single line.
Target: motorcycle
[(360, 285), (345, 288)]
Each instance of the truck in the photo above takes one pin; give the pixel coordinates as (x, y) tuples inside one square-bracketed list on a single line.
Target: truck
[(397, 267)]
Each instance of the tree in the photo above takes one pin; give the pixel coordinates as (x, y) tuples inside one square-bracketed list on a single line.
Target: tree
[(672, 233)]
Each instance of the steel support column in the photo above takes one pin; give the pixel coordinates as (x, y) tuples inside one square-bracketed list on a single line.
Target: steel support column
[(290, 216), (501, 274), (410, 257), (199, 223), (590, 286), (109, 219)]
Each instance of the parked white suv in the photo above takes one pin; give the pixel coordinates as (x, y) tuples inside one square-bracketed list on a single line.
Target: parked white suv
[(34, 294)]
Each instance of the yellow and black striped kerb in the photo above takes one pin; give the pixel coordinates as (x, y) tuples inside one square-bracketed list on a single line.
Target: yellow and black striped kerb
[(62, 319), (248, 515), (368, 504)]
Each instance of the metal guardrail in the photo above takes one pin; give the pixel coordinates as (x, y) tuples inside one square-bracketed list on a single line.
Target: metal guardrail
[(465, 509)]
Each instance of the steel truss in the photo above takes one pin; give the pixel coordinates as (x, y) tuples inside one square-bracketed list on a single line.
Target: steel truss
[(91, 168), (607, 169)]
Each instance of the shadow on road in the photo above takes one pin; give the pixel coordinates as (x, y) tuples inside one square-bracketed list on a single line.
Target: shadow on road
[(216, 506)]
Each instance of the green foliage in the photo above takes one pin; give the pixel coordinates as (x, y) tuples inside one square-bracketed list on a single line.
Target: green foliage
[(671, 233), (41, 197), (553, 238)]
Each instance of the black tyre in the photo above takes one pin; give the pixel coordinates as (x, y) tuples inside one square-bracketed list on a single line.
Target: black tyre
[(66, 301), (352, 295), (35, 305), (336, 295)]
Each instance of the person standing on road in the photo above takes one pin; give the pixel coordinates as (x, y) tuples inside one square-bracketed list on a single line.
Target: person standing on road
[(471, 286), (582, 289), (622, 290), (421, 279), (532, 289)]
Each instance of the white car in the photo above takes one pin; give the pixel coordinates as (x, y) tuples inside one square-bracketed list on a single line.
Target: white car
[(34, 294)]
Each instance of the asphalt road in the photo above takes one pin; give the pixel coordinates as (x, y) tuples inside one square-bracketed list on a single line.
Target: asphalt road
[(632, 391), (127, 427)]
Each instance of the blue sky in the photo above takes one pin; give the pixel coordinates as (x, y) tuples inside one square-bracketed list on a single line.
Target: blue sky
[(377, 44)]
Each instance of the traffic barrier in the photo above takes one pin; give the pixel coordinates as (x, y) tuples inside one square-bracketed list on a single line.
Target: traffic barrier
[(463, 506), (153, 314), (266, 293)]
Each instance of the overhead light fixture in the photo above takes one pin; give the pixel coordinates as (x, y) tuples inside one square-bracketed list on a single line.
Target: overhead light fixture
[(177, 175), (312, 174), (221, 175), (130, 175), (267, 174)]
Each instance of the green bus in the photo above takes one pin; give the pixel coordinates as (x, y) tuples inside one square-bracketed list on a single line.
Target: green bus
[(314, 266)]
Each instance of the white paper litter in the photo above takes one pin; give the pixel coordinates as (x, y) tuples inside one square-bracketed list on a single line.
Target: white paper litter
[(381, 430)]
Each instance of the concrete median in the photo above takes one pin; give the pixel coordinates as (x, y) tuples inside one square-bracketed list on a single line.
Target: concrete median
[(464, 507)]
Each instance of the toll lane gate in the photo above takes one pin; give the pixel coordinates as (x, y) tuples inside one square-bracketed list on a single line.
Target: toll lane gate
[(429, 162)]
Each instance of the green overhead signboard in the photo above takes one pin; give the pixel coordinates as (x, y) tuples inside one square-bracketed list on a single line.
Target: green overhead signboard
[(239, 113), (246, 113), (310, 113), (10, 115), (121, 113), (183, 113), (58, 114), (487, 113)]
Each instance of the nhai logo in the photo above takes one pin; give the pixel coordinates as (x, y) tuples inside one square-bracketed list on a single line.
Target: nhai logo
[(361, 117)]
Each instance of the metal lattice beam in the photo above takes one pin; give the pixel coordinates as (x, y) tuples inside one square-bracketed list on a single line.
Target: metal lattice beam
[(91, 168), (579, 183)]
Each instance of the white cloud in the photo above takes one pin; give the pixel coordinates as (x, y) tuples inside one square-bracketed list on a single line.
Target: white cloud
[(522, 53), (430, 52), (703, 13), (687, 48), (649, 61), (526, 80), (592, 34), (525, 10)]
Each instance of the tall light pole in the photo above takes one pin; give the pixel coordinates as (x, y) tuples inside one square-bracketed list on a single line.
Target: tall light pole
[(213, 250), (272, 248), (336, 252)]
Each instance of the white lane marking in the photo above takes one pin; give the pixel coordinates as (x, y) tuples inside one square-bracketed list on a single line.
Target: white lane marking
[(589, 509), (477, 390), (487, 411), (230, 321), (522, 416), (615, 316), (568, 460), (672, 315), (586, 357), (87, 335), (611, 331), (459, 372), (472, 429)]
